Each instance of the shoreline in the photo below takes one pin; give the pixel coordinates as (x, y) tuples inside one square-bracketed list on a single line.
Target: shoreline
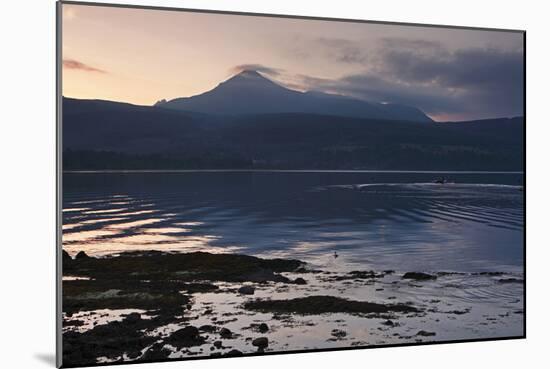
[(153, 305)]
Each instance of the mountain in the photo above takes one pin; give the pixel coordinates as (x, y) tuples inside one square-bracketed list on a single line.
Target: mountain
[(251, 93), (109, 135)]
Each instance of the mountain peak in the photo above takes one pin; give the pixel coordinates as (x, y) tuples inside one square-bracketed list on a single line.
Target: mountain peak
[(249, 73), (250, 92), (249, 80), (248, 76)]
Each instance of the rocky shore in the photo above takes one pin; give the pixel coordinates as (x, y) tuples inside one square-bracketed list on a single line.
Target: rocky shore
[(148, 306)]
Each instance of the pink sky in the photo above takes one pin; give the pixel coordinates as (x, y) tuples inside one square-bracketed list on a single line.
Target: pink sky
[(141, 56)]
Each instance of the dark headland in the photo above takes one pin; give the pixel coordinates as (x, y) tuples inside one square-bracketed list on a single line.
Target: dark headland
[(251, 122)]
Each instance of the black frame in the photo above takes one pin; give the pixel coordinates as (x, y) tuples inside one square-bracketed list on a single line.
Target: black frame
[(59, 172)]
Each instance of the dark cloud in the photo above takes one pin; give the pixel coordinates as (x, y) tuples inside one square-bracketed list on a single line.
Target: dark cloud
[(465, 83), (374, 88), (343, 50), (75, 64), (462, 68), (258, 68), (480, 82)]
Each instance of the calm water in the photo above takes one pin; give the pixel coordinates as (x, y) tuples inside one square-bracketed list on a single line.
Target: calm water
[(398, 221)]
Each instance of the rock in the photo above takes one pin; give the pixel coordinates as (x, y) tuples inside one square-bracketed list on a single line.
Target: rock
[(388, 323), (134, 354), (355, 275), (300, 280), (98, 294), (233, 353), (132, 318), (314, 305), (187, 332), (218, 344), (418, 276), (338, 333), (260, 342), (262, 328), (226, 333), (186, 337), (425, 333), (109, 340), (208, 328), (73, 323), (81, 255), (176, 267), (246, 290), (458, 312), (280, 279), (156, 352), (364, 274)]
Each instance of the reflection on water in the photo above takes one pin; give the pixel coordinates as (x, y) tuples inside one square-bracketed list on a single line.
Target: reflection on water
[(397, 221)]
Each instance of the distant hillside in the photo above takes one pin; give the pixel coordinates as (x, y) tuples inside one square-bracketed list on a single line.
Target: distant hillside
[(250, 93), (108, 135)]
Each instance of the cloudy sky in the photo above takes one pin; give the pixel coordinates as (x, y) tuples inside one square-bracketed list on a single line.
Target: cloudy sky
[(142, 56)]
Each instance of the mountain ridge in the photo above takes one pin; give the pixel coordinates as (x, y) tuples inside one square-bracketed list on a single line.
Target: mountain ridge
[(249, 92)]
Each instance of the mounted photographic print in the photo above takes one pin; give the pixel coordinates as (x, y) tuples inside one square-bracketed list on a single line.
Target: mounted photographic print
[(238, 184)]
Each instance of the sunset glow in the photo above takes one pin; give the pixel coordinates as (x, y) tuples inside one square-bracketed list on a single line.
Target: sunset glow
[(142, 56)]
